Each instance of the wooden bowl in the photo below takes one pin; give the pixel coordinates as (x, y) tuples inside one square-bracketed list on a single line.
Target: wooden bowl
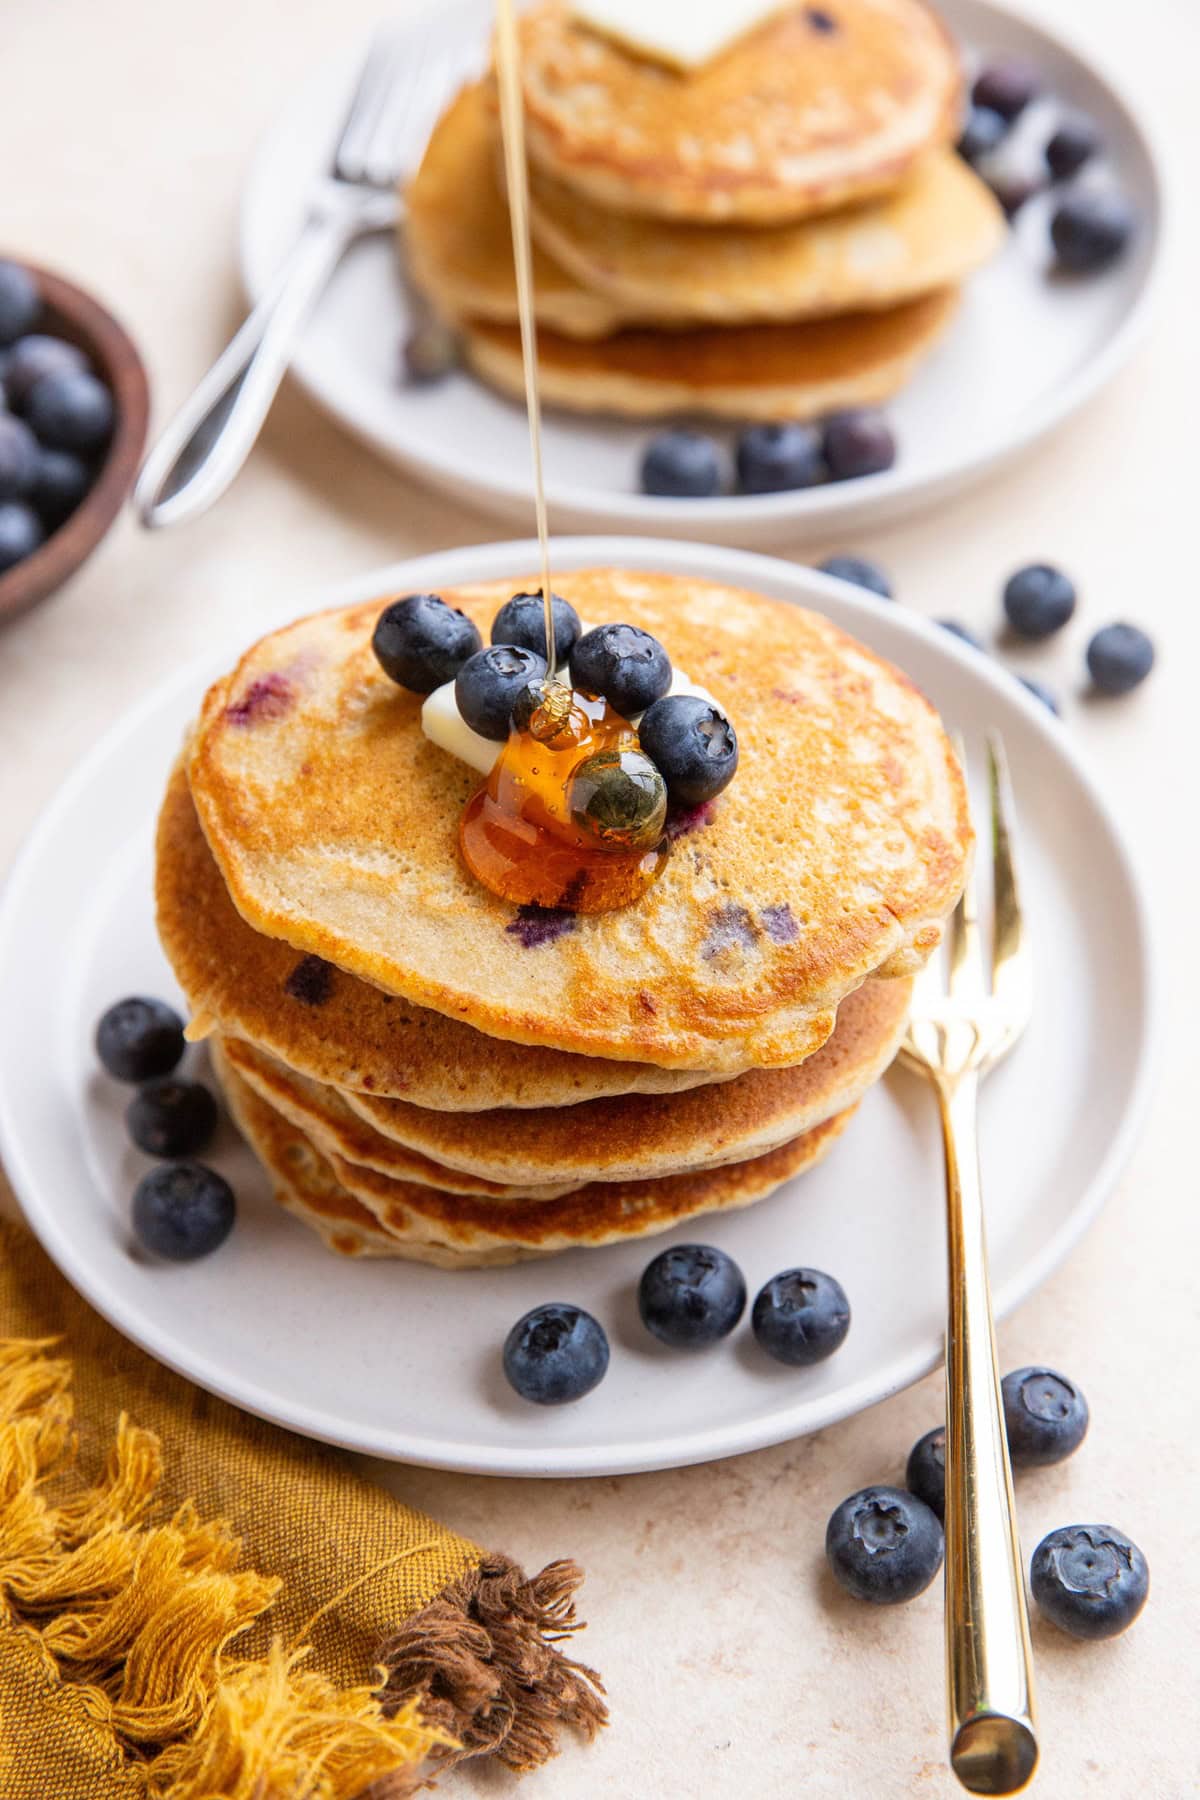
[(68, 312)]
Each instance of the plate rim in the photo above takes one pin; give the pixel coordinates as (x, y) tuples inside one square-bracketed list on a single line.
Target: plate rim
[(488, 561), (882, 497)]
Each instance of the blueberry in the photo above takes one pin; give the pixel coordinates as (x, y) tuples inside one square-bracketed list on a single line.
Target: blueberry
[(182, 1210), (983, 132), (1040, 691), (18, 458), (691, 1295), (1074, 143), (774, 458), (34, 356), (1012, 187), (624, 664), (925, 1475), (1119, 657), (431, 352), (20, 533), (884, 1545), (555, 1353), (1007, 87), (1046, 1416), (693, 746), (1089, 1580), (487, 686), (420, 642), (1038, 600), (684, 465), (801, 1317), (60, 481), (138, 1039), (522, 620), (860, 572), (71, 410), (1091, 229), (19, 302), (963, 633), (172, 1117), (857, 442)]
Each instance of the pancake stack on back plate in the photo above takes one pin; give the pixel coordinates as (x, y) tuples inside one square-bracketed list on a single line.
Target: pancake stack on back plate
[(778, 233), (430, 1072)]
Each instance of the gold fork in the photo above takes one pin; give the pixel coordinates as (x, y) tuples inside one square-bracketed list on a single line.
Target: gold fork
[(955, 1035)]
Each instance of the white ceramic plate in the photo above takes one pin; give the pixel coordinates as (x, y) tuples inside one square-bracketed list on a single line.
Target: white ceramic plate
[(404, 1361), (1023, 353)]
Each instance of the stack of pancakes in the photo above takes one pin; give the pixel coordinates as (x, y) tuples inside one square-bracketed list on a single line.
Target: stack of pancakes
[(779, 233), (427, 1071)]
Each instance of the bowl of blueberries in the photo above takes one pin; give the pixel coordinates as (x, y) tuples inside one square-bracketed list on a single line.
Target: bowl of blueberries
[(74, 406)]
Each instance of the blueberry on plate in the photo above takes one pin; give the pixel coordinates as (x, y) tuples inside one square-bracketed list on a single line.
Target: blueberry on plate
[(1091, 229), (884, 1545), (772, 459), (60, 481), (984, 132), (431, 352), (172, 1117), (1046, 1416), (925, 1473), (182, 1210), (857, 442), (487, 686), (1075, 141), (681, 465), (34, 356), (555, 1353), (522, 620), (690, 1295), (138, 1039), (20, 533), (860, 572), (624, 664), (420, 642), (19, 302), (1089, 1580), (1040, 691), (18, 458), (1038, 600), (693, 746), (801, 1316), (963, 633), (1119, 657), (71, 410), (1007, 87)]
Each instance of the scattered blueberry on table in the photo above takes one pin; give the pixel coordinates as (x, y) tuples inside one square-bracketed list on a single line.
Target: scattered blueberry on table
[(1038, 600), (555, 1353), (138, 1039), (1007, 87), (884, 1545), (1045, 1415), (621, 664), (1074, 142), (1089, 1580), (420, 642), (522, 620), (1119, 658), (681, 465), (925, 1472), (170, 1117), (1091, 229), (964, 634), (693, 745), (182, 1211), (690, 1295), (858, 442), (860, 572), (1040, 691), (801, 1316), (773, 459)]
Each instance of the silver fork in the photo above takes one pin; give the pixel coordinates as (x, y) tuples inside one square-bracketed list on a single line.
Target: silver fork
[(403, 85), (955, 1035)]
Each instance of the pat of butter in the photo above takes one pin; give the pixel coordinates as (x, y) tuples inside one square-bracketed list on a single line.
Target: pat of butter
[(445, 726), (682, 33)]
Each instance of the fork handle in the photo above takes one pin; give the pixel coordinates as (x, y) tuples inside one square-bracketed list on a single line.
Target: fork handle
[(989, 1659), (210, 437)]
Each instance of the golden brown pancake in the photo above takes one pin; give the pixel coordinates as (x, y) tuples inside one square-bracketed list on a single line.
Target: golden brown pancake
[(835, 854), (815, 107), (789, 371), (454, 1230)]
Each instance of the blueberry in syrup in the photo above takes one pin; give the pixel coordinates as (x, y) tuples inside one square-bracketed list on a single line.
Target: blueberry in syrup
[(884, 1545), (172, 1117), (555, 1353), (71, 410), (622, 664), (1089, 1580), (858, 442), (693, 746), (619, 798), (1074, 143), (489, 683), (183, 1210), (691, 1295), (681, 465), (925, 1474), (522, 620), (1046, 1416), (1091, 229), (1007, 87), (1119, 658), (138, 1039), (1038, 600), (772, 459), (860, 572), (801, 1316), (421, 643), (19, 302)]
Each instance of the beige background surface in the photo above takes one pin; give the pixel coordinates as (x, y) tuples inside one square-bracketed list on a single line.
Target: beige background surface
[(732, 1664)]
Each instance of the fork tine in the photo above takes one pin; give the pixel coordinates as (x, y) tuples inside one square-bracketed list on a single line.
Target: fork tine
[(1012, 971), (410, 106), (966, 954), (368, 100)]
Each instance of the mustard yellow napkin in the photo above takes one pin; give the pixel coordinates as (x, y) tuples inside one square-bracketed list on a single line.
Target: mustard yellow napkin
[(198, 1605)]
